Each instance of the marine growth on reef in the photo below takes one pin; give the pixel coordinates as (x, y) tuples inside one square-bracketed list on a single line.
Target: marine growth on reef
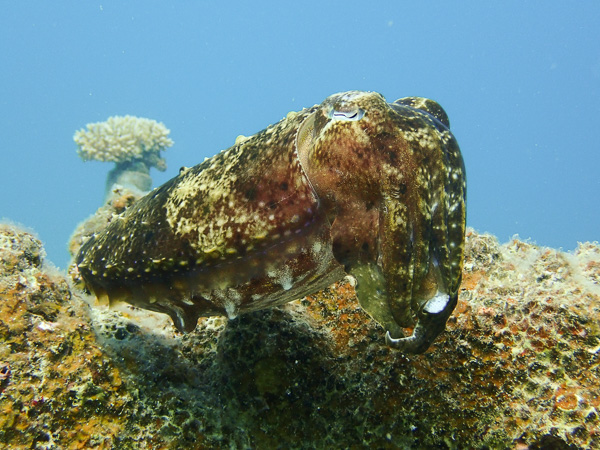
[(355, 185)]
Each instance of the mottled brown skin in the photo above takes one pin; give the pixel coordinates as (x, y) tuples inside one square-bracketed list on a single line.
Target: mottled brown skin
[(355, 185), (393, 185)]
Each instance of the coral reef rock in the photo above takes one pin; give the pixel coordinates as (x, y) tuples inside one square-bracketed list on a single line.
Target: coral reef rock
[(517, 367), (58, 388)]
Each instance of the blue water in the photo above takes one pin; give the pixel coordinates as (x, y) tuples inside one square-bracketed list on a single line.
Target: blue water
[(519, 80)]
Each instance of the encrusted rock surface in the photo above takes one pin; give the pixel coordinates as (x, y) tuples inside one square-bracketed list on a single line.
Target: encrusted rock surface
[(518, 366), (58, 387)]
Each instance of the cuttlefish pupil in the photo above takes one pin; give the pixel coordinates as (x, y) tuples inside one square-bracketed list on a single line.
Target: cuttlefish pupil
[(354, 186), (355, 114)]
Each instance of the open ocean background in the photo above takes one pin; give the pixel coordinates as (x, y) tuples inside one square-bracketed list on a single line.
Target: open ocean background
[(520, 81)]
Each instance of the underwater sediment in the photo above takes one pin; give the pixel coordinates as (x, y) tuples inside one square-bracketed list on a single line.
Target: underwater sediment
[(517, 367)]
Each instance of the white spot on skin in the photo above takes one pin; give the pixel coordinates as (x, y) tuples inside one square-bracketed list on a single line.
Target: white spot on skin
[(351, 280), (283, 277), (316, 248), (437, 304), (286, 281), (231, 310), (229, 298)]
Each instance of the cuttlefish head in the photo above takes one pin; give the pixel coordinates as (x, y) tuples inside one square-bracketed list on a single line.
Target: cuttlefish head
[(392, 180)]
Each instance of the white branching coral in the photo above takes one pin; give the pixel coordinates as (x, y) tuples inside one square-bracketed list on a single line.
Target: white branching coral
[(133, 143), (123, 139)]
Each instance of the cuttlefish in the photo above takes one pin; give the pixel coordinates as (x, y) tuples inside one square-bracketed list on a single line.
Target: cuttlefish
[(354, 186)]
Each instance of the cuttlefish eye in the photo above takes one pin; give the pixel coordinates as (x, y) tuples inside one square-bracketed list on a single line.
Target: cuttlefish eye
[(347, 114)]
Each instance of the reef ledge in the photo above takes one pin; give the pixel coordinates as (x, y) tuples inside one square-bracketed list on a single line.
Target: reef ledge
[(517, 367)]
